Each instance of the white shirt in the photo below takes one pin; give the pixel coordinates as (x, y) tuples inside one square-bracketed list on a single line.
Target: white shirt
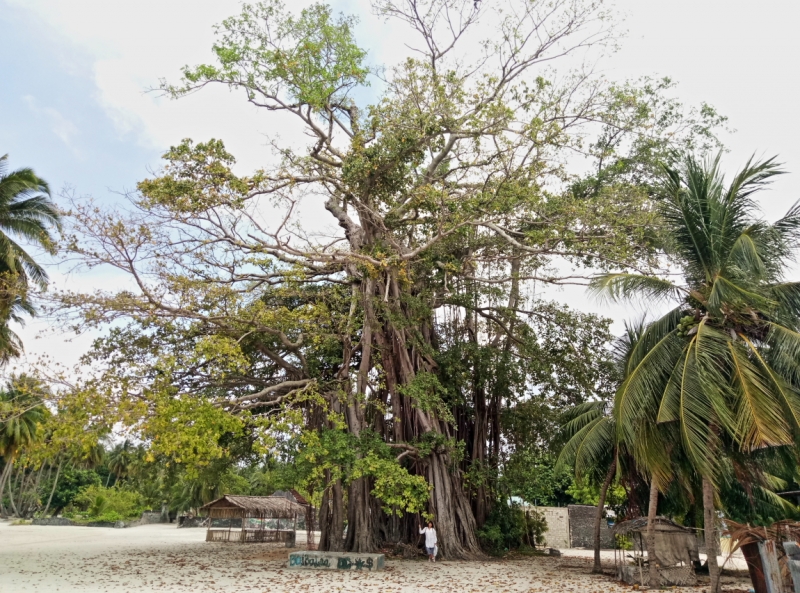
[(430, 536)]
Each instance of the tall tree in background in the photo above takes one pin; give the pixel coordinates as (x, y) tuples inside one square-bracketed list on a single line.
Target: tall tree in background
[(386, 348), (23, 398), (723, 365), (26, 213)]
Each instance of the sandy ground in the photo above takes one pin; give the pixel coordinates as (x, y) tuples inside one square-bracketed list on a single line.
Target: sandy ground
[(163, 559)]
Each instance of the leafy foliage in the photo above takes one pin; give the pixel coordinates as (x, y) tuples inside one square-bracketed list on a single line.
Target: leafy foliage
[(509, 527), (109, 504)]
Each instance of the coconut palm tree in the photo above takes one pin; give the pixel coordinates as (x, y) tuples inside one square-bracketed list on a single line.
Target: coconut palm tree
[(27, 214), (21, 425), (593, 447), (723, 364), (120, 459)]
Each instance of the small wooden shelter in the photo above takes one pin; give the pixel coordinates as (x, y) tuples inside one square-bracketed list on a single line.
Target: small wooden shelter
[(675, 547), (249, 519), (310, 516)]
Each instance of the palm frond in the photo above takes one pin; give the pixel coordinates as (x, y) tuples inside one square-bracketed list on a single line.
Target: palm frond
[(581, 414), (638, 397), (785, 393), (641, 338), (759, 418), (745, 259), (725, 291), (622, 286), (787, 294)]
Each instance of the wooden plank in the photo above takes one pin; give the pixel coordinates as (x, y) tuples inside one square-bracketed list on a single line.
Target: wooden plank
[(772, 571), (793, 560)]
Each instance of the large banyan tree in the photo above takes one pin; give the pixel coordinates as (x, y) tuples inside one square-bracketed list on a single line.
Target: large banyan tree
[(367, 299)]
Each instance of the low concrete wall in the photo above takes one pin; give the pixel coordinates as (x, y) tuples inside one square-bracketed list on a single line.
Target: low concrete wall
[(116, 524), (337, 561), (150, 517), (53, 521), (63, 521)]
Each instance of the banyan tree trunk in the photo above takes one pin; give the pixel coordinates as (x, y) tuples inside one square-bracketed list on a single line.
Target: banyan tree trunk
[(390, 339), (331, 519), (360, 518), (455, 523)]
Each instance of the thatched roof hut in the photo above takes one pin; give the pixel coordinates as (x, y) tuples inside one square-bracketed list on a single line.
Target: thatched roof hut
[(257, 518), (257, 507), (639, 525), (675, 550)]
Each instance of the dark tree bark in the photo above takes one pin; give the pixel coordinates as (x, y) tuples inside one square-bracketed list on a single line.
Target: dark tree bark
[(332, 518), (710, 532), (652, 563), (53, 489), (612, 469), (4, 477), (360, 518), (755, 567)]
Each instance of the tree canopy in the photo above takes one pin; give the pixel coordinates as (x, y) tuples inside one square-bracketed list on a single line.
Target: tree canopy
[(398, 352)]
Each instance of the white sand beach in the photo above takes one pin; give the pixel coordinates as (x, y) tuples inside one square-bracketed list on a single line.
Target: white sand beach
[(163, 559)]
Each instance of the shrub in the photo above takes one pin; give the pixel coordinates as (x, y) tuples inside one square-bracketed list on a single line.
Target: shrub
[(109, 517), (508, 527), (109, 504)]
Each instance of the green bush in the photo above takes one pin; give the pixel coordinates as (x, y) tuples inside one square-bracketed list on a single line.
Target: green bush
[(623, 543), (109, 517), (109, 504), (508, 528)]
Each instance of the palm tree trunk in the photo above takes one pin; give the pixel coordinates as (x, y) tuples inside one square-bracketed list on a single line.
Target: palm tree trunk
[(598, 568), (11, 495), (3, 480), (53, 489), (655, 580), (710, 532)]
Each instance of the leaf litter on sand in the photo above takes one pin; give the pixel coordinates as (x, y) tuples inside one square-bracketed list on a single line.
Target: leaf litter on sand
[(132, 562)]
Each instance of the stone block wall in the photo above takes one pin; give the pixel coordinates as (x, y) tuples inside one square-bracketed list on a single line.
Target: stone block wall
[(581, 528), (149, 517), (52, 521), (557, 534)]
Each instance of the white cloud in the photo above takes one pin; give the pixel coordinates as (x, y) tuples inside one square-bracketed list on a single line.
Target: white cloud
[(62, 127), (724, 52)]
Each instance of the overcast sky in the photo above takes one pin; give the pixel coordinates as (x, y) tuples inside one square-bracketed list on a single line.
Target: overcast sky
[(74, 106)]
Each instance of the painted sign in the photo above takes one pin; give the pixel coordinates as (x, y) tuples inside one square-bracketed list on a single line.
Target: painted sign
[(310, 561)]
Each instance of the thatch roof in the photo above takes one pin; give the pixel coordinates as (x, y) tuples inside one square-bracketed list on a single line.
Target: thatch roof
[(639, 525), (261, 507)]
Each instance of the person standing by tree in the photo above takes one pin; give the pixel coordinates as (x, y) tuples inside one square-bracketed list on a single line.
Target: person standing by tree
[(430, 540)]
